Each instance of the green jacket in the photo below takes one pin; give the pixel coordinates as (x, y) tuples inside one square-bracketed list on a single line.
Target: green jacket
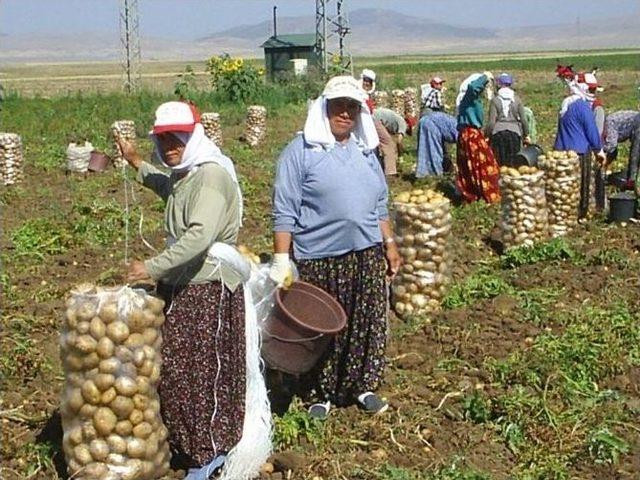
[(201, 208), (470, 110)]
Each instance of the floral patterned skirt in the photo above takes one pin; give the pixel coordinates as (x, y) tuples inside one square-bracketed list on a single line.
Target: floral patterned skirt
[(202, 382), (354, 362), (478, 173)]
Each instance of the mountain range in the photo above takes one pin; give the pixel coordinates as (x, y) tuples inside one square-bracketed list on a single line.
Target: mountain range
[(373, 32)]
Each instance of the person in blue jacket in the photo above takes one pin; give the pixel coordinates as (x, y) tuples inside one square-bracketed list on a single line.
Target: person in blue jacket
[(435, 129), (577, 131)]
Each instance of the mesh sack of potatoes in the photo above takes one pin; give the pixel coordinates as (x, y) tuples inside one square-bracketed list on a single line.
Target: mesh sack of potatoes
[(524, 219), (11, 158), (122, 130), (256, 126), (78, 157), (562, 187), (423, 228), (411, 102), (110, 350), (397, 102), (381, 98), (212, 127)]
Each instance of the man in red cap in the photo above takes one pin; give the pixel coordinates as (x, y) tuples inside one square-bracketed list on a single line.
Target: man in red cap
[(432, 100)]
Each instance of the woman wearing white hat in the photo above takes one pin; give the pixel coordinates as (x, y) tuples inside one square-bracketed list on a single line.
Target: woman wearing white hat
[(330, 203), (213, 398)]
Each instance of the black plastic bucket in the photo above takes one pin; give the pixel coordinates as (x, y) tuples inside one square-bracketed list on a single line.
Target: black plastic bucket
[(527, 156), (622, 206)]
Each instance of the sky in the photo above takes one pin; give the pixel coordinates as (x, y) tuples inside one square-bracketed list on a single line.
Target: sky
[(191, 19)]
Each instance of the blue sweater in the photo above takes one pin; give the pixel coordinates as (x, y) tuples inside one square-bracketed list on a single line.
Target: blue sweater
[(331, 201), (577, 129)]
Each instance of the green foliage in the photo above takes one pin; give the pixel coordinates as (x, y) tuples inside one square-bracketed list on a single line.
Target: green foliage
[(185, 87), (606, 447), (100, 222), (458, 470), (477, 407), (478, 286), (391, 472), (553, 250), (39, 237), (295, 424), (236, 79)]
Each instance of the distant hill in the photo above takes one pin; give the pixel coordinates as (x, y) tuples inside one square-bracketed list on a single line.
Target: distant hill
[(374, 32)]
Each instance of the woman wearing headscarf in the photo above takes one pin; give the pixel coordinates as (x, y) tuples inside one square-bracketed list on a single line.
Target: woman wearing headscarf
[(435, 131), (330, 203), (507, 126), (477, 168), (213, 399), (577, 131)]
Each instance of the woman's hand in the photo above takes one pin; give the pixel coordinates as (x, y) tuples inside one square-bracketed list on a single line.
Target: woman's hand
[(394, 260), (526, 141), (137, 271), (129, 152)]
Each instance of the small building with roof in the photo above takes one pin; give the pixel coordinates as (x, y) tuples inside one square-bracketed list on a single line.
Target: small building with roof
[(291, 52)]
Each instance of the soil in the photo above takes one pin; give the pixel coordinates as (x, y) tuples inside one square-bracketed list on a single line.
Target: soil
[(430, 370)]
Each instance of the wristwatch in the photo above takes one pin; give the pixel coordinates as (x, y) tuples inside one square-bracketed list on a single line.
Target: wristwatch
[(389, 240)]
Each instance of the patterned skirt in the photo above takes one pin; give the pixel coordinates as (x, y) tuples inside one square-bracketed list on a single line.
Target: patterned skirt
[(354, 362), (478, 172), (202, 382)]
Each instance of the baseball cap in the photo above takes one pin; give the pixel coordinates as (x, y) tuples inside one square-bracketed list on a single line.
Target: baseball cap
[(344, 86), (175, 117)]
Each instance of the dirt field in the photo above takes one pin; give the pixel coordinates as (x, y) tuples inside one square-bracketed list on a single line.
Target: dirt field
[(530, 372)]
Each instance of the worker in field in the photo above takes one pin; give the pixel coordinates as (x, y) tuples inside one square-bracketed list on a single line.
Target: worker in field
[(205, 356), (330, 204), (435, 130), (478, 173), (621, 127), (507, 126), (432, 96), (390, 127), (577, 131)]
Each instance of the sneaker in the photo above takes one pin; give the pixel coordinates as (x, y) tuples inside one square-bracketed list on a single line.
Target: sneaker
[(320, 411), (372, 404)]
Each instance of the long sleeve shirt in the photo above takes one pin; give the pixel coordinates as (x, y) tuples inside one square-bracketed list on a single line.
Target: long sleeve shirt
[(432, 99), (577, 129), (470, 110), (515, 121), (201, 208), (620, 127), (330, 201)]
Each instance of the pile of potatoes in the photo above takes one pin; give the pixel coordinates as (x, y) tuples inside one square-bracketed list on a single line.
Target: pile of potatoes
[(397, 101), (11, 158), (212, 127), (110, 349), (562, 186), (411, 105), (524, 219), (255, 129), (381, 98), (122, 130), (423, 228)]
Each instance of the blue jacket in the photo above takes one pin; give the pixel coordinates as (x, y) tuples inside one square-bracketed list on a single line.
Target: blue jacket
[(577, 129)]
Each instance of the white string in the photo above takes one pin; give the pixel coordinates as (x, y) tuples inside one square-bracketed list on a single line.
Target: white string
[(126, 214), (215, 381)]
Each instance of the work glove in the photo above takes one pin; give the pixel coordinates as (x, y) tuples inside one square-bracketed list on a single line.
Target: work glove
[(280, 271)]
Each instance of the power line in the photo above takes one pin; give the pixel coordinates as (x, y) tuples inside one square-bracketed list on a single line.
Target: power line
[(331, 34), (130, 40)]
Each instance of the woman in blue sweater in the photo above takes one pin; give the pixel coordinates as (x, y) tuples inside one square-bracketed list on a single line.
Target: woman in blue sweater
[(577, 131), (330, 202)]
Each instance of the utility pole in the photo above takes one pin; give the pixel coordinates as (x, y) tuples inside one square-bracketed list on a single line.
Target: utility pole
[(130, 40), (331, 34)]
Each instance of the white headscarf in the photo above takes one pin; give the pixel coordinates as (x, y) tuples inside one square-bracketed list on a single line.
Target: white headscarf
[(317, 130), (465, 85), (507, 97), (199, 150), (577, 91)]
